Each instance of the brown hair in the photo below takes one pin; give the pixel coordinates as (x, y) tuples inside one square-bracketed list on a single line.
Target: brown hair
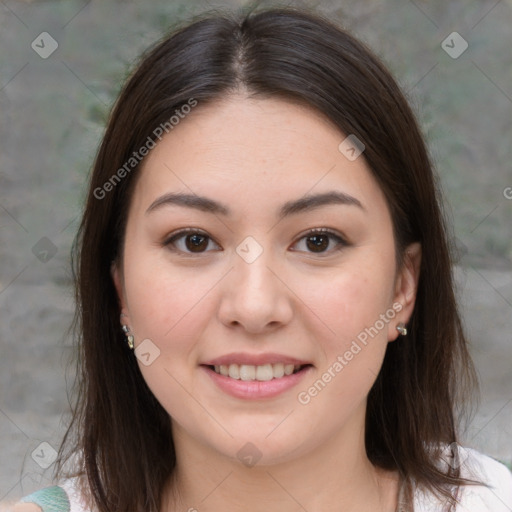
[(120, 430)]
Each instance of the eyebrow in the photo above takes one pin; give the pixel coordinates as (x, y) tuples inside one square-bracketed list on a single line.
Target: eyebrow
[(311, 202), (189, 201), (306, 203)]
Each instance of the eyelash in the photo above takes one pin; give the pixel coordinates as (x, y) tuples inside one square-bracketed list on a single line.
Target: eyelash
[(340, 241)]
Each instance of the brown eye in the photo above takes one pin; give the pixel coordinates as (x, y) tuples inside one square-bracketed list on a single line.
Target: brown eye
[(190, 241), (196, 243), (320, 241), (317, 243)]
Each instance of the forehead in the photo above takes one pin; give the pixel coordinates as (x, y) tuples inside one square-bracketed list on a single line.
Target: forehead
[(253, 150)]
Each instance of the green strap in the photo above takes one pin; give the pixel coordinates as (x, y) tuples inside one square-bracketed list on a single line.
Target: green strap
[(50, 499)]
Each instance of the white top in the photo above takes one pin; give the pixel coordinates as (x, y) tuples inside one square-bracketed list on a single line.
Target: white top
[(475, 498), (497, 498)]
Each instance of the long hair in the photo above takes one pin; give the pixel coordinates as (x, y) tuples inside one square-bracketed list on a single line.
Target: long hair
[(119, 431)]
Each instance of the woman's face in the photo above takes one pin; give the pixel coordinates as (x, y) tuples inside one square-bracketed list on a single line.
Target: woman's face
[(255, 247)]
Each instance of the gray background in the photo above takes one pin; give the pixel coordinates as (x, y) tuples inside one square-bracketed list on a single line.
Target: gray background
[(52, 116)]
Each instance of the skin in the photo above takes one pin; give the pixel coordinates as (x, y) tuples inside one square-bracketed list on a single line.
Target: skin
[(19, 507), (253, 155)]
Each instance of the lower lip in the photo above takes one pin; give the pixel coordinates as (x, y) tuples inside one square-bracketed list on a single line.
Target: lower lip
[(255, 389)]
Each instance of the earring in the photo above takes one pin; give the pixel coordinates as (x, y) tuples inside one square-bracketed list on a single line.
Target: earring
[(401, 329), (129, 336)]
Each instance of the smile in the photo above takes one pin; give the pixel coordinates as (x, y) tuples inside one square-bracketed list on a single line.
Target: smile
[(260, 373), (256, 382)]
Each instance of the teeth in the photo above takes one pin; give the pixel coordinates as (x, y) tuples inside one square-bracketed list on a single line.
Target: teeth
[(248, 372), (288, 369), (234, 371), (278, 370), (264, 372), (261, 373)]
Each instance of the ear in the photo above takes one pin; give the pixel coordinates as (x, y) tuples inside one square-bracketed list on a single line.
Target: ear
[(117, 277), (406, 287)]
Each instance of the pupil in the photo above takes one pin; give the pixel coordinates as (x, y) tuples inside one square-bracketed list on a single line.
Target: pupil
[(195, 242), (318, 242)]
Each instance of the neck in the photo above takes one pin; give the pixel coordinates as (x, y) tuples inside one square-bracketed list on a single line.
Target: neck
[(336, 475)]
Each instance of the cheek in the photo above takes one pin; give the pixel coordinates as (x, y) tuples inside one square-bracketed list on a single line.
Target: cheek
[(172, 309), (170, 306), (355, 306), (348, 301)]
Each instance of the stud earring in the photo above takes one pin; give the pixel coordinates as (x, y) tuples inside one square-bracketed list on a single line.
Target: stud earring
[(401, 329), (129, 336)]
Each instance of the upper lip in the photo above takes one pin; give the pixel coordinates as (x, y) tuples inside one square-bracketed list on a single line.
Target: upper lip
[(254, 359)]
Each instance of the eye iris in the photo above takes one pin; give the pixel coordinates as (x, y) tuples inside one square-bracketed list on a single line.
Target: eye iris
[(196, 243), (317, 243)]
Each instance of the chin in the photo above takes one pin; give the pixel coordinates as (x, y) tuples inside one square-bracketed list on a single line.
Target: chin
[(260, 449)]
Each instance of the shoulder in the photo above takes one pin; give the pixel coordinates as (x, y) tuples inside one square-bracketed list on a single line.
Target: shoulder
[(66, 496), (494, 495), (497, 496)]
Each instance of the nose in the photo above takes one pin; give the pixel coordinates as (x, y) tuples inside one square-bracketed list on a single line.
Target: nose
[(255, 296)]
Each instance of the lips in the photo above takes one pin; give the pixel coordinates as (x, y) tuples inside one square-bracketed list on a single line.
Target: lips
[(252, 372), (256, 389), (260, 367), (256, 376), (241, 358)]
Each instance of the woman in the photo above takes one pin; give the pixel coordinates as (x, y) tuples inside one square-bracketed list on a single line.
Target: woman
[(266, 310)]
